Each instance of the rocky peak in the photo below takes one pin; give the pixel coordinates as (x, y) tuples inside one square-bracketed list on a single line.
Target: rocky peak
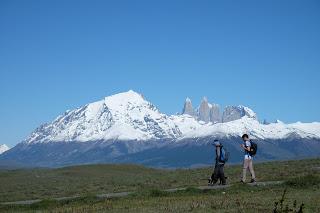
[(204, 110), (188, 108), (215, 113), (232, 113)]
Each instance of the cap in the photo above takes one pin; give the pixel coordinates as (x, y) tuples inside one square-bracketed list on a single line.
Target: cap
[(216, 142)]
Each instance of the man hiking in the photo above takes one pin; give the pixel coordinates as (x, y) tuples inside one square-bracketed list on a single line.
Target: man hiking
[(248, 159), (221, 158)]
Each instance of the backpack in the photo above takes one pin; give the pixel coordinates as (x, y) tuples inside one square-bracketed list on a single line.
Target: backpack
[(224, 155), (253, 149)]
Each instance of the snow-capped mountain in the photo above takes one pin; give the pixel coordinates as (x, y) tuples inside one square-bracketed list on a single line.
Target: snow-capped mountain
[(127, 128), (3, 148), (124, 116), (128, 116)]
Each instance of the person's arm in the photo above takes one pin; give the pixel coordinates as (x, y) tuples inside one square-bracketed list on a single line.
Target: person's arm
[(218, 152), (245, 148)]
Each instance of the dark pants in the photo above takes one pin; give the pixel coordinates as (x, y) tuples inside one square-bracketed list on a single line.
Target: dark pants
[(218, 173)]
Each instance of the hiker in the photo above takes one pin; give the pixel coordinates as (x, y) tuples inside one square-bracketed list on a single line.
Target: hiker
[(218, 172), (248, 159)]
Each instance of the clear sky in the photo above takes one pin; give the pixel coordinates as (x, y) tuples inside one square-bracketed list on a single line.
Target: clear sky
[(60, 54)]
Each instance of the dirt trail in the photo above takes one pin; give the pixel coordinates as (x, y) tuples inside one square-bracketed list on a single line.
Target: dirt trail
[(124, 194)]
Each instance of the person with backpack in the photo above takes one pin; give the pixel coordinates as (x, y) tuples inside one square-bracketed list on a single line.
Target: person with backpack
[(221, 158), (250, 149)]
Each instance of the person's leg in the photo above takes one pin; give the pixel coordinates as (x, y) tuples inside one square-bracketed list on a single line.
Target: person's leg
[(222, 177), (219, 174), (215, 175), (211, 178), (244, 170), (253, 176)]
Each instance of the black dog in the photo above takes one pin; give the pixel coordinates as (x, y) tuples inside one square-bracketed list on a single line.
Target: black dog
[(210, 181)]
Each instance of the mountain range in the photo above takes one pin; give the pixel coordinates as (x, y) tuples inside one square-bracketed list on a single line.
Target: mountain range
[(126, 128), (210, 112)]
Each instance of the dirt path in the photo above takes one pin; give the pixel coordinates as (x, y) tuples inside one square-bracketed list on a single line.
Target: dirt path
[(124, 194)]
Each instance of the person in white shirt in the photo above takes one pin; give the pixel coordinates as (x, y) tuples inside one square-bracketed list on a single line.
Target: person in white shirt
[(248, 160)]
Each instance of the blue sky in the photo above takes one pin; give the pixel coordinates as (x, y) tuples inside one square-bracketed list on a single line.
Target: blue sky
[(58, 55)]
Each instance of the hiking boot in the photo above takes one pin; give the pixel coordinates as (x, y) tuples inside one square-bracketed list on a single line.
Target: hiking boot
[(252, 181)]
